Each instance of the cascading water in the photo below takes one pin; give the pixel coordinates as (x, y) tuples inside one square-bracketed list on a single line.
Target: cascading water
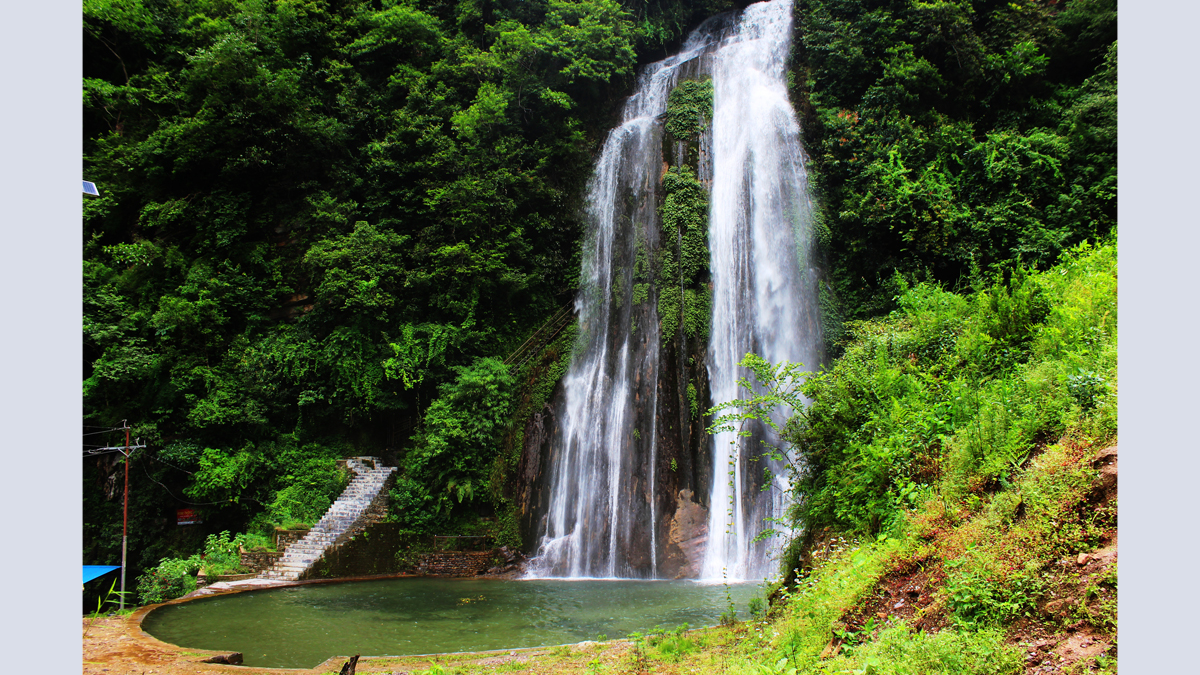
[(602, 519), (764, 283), (602, 480)]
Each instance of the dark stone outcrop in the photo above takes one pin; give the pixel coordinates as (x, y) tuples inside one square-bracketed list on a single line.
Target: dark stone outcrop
[(530, 491)]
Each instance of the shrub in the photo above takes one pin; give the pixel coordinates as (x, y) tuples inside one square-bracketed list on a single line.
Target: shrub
[(451, 459), (172, 578), (221, 554), (310, 485), (899, 650), (254, 541)]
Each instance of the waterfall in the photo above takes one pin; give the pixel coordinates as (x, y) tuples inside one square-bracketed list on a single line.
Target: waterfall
[(602, 477), (602, 518), (764, 297)]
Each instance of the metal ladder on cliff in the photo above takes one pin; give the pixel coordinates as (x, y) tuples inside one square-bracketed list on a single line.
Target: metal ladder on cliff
[(541, 337)]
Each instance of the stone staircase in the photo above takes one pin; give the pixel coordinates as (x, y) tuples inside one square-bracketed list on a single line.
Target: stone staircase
[(369, 478)]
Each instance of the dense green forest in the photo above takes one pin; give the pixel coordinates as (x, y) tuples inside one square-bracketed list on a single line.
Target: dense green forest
[(324, 225), (953, 137), (319, 217)]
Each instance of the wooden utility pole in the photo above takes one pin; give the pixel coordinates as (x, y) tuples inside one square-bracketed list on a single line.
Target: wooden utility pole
[(125, 518), (127, 451)]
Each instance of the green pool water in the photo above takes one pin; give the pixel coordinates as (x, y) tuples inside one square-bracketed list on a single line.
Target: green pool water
[(301, 626)]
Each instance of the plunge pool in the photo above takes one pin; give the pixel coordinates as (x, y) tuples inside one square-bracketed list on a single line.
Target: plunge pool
[(302, 626)]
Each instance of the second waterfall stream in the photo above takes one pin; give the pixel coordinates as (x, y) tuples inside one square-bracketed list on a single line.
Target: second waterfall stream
[(610, 512)]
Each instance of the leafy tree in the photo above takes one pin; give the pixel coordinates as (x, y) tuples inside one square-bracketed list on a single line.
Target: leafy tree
[(451, 460)]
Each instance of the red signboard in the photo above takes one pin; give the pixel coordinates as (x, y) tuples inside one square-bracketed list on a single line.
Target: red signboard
[(186, 517)]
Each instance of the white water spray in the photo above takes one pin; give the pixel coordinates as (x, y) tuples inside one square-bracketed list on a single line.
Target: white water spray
[(764, 298)]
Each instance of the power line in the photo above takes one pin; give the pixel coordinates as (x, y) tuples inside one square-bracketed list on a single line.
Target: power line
[(106, 431), (190, 473), (168, 491)]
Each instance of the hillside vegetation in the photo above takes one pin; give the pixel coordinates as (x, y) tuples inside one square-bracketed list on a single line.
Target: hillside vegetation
[(952, 478), (326, 223)]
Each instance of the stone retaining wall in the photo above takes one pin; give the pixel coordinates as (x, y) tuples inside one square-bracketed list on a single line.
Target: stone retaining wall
[(371, 552), (456, 563), (258, 560), (374, 552)]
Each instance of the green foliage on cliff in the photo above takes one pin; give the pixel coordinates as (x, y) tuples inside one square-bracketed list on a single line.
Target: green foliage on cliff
[(954, 393), (956, 135), (684, 297), (542, 375), (689, 108)]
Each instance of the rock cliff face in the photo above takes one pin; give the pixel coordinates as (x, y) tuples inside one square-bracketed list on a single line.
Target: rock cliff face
[(684, 461), (664, 476), (529, 491), (683, 470), (687, 534)]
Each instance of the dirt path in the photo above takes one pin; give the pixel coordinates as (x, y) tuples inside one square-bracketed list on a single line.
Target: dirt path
[(115, 645)]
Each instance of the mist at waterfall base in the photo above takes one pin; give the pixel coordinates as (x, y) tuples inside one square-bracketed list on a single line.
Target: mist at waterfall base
[(302, 626), (603, 519)]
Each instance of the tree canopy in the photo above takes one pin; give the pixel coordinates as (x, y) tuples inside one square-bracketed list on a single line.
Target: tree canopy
[(953, 136), (316, 213)]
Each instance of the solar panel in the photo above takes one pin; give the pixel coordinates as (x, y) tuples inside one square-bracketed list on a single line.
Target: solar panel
[(90, 189)]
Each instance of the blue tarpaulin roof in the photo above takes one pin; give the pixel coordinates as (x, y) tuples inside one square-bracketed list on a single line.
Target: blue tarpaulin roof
[(92, 571)]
